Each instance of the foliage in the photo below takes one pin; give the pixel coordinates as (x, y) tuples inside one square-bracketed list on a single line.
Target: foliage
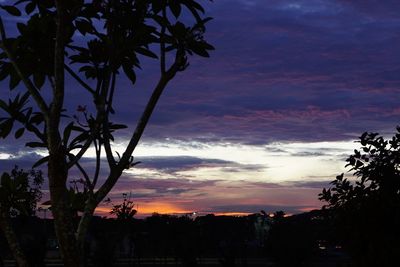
[(19, 194), (96, 43), (20, 191), (371, 202), (124, 211), (77, 194)]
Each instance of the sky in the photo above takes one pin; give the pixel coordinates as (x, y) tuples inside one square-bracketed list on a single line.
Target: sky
[(269, 119)]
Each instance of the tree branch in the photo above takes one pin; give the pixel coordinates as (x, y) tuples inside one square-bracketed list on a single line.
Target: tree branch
[(98, 163), (59, 76), (85, 175), (81, 152), (111, 95), (79, 80), (103, 117), (162, 42), (116, 172)]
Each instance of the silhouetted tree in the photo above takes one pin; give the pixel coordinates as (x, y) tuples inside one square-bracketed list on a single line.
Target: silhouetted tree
[(292, 240), (124, 211), (366, 208), (19, 194), (103, 40), (121, 236)]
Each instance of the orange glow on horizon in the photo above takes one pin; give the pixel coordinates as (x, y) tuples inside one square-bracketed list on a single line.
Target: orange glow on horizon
[(147, 209)]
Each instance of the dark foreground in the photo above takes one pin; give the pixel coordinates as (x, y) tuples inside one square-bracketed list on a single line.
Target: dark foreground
[(205, 262)]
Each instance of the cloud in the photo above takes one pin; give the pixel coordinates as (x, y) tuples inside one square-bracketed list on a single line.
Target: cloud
[(283, 72), (21, 159), (174, 164)]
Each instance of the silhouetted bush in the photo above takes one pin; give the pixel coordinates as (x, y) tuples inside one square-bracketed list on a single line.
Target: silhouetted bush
[(366, 210)]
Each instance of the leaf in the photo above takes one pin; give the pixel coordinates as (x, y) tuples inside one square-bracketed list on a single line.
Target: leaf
[(77, 128), (146, 52), (157, 6), (197, 6), (128, 69), (90, 72), (5, 127), (37, 118), (30, 7), (199, 50), (40, 162), (35, 144), (84, 26), (12, 10), (175, 8), (5, 71), (3, 105), (67, 133), (14, 80), (19, 133), (117, 126)]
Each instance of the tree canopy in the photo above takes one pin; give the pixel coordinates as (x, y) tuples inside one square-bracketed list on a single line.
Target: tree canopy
[(19, 195), (366, 207), (94, 44)]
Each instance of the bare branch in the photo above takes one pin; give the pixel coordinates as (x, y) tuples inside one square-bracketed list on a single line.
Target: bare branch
[(102, 116), (111, 95), (81, 152), (79, 80), (52, 83), (98, 163), (162, 42), (116, 172), (85, 175), (59, 76)]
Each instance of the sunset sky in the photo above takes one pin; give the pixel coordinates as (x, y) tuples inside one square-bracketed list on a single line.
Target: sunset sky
[(269, 119)]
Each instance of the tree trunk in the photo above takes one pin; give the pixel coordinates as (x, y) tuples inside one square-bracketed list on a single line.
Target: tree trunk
[(12, 240), (57, 166), (83, 226), (63, 219)]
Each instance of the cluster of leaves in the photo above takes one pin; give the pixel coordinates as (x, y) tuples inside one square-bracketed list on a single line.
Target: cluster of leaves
[(377, 169), (124, 211), (116, 34), (20, 192), (366, 211), (17, 112), (127, 21), (94, 43)]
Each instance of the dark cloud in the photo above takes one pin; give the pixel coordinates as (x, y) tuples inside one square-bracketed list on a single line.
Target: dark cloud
[(312, 183), (153, 188), (174, 164), (23, 160), (283, 70)]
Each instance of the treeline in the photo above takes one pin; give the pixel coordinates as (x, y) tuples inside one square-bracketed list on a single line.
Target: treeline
[(289, 241)]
